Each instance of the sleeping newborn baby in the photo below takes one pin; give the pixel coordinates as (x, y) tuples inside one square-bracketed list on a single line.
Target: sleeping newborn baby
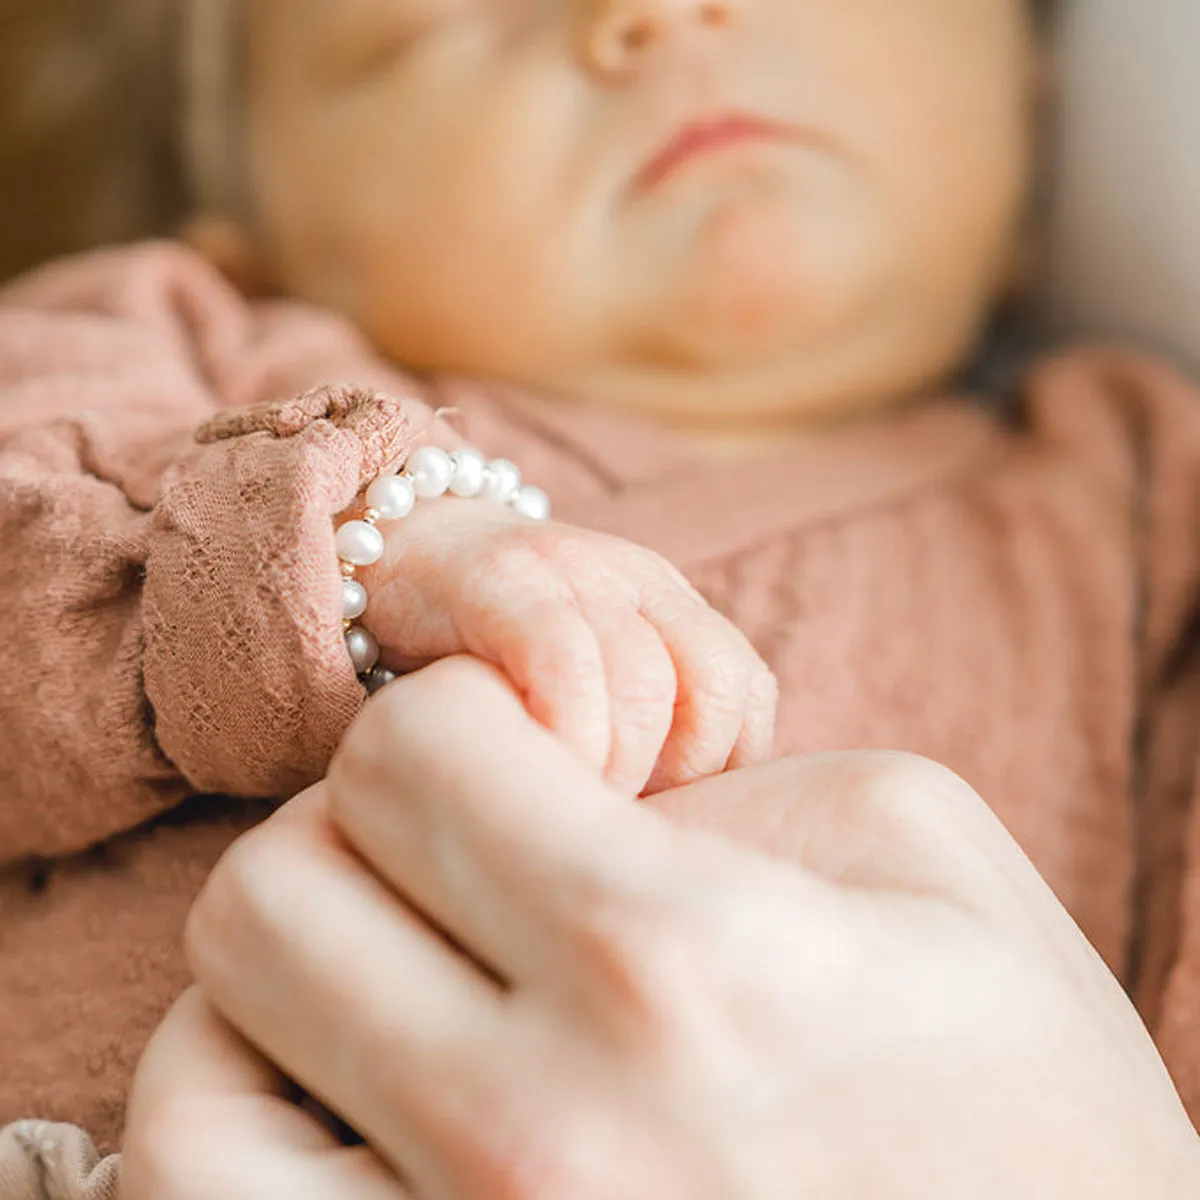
[(713, 216), (711, 273)]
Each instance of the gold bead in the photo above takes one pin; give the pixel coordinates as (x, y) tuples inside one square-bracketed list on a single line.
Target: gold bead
[(371, 516), (348, 570)]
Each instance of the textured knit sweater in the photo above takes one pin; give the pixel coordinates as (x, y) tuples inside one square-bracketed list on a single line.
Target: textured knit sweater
[(1014, 595)]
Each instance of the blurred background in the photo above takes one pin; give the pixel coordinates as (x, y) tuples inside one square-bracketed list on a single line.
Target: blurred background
[(88, 115), (1125, 223)]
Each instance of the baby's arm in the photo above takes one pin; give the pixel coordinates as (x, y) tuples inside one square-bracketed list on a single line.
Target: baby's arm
[(173, 605), (171, 582)]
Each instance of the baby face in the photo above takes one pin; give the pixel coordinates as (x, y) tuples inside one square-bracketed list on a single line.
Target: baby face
[(717, 211)]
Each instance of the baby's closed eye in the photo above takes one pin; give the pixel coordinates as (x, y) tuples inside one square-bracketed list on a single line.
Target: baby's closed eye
[(359, 40)]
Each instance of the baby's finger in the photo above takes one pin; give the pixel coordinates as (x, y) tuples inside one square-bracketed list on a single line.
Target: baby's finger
[(540, 639), (641, 690), (756, 741), (714, 665)]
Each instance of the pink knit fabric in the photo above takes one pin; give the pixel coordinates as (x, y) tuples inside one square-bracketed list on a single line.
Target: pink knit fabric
[(1015, 599)]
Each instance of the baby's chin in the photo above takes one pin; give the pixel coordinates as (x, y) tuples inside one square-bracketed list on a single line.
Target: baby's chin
[(760, 279)]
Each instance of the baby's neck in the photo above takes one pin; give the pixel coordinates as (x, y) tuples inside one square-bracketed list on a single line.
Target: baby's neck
[(727, 421), (755, 440), (723, 444)]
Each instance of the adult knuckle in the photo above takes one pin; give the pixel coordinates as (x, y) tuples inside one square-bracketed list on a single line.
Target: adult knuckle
[(554, 1145), (215, 915), (913, 793), (240, 902), (386, 730), (405, 726), (373, 1073), (541, 1164), (647, 960), (378, 724), (913, 781)]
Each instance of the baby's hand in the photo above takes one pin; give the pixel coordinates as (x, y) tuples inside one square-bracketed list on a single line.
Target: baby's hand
[(609, 645)]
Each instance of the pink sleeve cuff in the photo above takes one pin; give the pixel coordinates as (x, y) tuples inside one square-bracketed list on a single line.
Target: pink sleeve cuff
[(245, 665)]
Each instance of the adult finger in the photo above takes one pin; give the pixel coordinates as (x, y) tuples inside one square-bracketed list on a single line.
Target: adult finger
[(490, 824), (330, 974), (209, 1119)]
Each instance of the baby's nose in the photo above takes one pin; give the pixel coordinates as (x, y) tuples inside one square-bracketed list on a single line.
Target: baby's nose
[(620, 34)]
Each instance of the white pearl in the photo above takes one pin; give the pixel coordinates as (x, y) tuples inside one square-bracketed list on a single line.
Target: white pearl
[(354, 599), (430, 470), (533, 503), (502, 481), (379, 678), (359, 543), (364, 649), (469, 467), (392, 496)]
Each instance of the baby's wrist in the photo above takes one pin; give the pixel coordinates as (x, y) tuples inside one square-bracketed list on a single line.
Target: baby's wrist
[(429, 474)]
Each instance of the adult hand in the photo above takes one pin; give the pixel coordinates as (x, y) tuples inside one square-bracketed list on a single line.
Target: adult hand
[(211, 1119), (880, 1000)]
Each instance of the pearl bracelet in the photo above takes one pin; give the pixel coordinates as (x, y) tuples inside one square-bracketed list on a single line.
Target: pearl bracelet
[(428, 474)]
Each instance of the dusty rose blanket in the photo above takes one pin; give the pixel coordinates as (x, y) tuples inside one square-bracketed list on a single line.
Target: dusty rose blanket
[(1016, 598)]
